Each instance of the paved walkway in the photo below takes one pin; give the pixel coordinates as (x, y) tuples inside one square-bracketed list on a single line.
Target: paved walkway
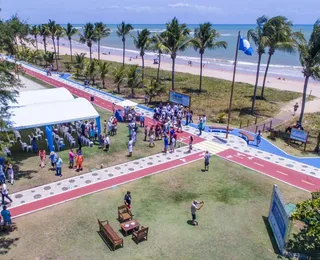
[(235, 149)]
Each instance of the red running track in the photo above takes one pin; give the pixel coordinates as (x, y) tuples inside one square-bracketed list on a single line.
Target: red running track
[(96, 187), (273, 170), (184, 136)]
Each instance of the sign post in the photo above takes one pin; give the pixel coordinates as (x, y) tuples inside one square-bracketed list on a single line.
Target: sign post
[(299, 135), (179, 98)]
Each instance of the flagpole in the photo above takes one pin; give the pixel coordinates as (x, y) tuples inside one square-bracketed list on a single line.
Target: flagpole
[(232, 86)]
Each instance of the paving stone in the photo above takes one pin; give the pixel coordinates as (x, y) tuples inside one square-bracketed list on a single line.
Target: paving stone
[(88, 181), (47, 188), (37, 196), (18, 196), (65, 188)]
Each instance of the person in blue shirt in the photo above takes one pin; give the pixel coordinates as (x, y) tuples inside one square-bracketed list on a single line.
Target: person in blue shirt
[(6, 216), (53, 158), (58, 167), (2, 175), (200, 126), (34, 145), (166, 143), (142, 119), (258, 138)]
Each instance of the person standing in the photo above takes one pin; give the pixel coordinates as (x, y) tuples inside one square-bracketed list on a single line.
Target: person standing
[(130, 147), (172, 145), (194, 207), (295, 108), (200, 126), (258, 138), (134, 137), (145, 133), (2, 175), (142, 119), (207, 157), (42, 155), (166, 143), (79, 160), (5, 193), (127, 199), (53, 159), (59, 163), (10, 174), (187, 117), (71, 159), (6, 215), (106, 143), (190, 143)]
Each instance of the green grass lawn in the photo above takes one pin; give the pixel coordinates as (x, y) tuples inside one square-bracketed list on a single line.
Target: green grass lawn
[(28, 173), (214, 99), (231, 223), (311, 123)]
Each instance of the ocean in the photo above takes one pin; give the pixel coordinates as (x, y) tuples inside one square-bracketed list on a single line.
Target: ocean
[(282, 64)]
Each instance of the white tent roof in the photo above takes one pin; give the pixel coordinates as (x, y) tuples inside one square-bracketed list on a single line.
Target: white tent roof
[(127, 103), (26, 98), (51, 113)]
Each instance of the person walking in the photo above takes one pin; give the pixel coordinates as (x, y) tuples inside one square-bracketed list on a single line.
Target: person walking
[(130, 147), (59, 163), (295, 108), (5, 193), (127, 199), (207, 157), (10, 174), (258, 138), (194, 207), (190, 144), (71, 159), (145, 133), (6, 215)]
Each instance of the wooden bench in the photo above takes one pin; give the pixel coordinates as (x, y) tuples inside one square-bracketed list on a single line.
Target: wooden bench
[(110, 234), (219, 129), (248, 137), (124, 214), (141, 234)]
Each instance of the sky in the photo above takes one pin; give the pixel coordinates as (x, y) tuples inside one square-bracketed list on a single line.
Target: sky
[(159, 11)]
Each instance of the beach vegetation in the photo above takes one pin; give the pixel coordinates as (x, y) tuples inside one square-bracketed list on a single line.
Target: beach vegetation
[(59, 34), (53, 29), (70, 30), (142, 43), (88, 37), (153, 89), (176, 38), (118, 75), (101, 31), (157, 46), (79, 64), (35, 31), (123, 30), (133, 79), (205, 37), (44, 33), (103, 70)]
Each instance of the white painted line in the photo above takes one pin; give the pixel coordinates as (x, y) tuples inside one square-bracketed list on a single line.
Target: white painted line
[(258, 164), (282, 173), (307, 182)]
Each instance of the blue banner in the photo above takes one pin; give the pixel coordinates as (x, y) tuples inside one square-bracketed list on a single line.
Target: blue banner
[(278, 219), (179, 98), (298, 135)]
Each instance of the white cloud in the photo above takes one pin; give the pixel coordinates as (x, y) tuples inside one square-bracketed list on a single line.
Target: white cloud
[(201, 8), (139, 8), (111, 7)]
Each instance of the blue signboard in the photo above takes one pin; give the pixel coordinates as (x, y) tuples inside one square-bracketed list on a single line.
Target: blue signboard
[(298, 135), (178, 98), (279, 219)]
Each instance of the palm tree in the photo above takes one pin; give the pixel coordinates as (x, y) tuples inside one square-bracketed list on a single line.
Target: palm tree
[(88, 37), (123, 30), (103, 71), (154, 89), (102, 31), (258, 37), (91, 71), (48, 57), (309, 54), (133, 78), (44, 33), (279, 34), (176, 39), (79, 63), (69, 32), (34, 31), (142, 42), (53, 28), (118, 75), (205, 38), (157, 46), (59, 34)]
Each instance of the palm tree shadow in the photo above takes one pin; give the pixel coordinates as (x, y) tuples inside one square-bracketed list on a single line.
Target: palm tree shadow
[(6, 243)]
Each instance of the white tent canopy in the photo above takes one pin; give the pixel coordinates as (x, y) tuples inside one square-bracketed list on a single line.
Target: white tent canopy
[(127, 103), (44, 114), (27, 98)]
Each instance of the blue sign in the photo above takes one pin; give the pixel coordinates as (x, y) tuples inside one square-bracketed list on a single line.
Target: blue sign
[(298, 135), (178, 98), (279, 219)]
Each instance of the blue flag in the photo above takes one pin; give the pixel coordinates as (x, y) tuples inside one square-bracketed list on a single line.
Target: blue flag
[(244, 46)]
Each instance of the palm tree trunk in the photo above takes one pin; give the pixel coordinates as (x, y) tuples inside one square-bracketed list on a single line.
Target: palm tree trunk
[(118, 88), (70, 49), (200, 84), (172, 72), (124, 52), (58, 48), (265, 75), (158, 72), (45, 44), (90, 54), (304, 98), (256, 85), (142, 58), (55, 53), (36, 42), (98, 49), (132, 92), (103, 83)]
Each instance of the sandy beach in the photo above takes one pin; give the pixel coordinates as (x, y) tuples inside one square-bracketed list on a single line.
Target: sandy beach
[(272, 82)]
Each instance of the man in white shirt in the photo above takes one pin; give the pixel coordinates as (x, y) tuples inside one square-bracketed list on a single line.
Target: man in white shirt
[(4, 193), (107, 143), (194, 207)]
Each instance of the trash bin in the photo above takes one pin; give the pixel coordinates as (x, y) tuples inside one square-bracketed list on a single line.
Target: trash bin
[(92, 98)]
